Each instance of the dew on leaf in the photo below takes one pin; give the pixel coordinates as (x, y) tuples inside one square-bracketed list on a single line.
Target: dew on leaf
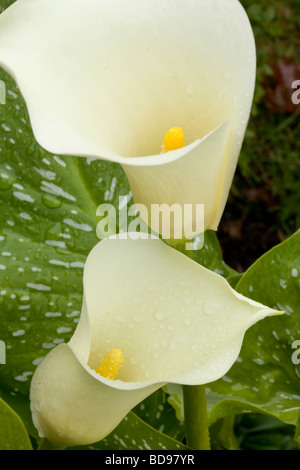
[(51, 201), (18, 333), (23, 197)]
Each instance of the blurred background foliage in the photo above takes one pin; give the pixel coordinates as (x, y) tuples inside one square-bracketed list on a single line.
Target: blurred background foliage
[(264, 203)]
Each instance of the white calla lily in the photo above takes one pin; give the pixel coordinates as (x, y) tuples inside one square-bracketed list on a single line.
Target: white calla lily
[(107, 79), (174, 321)]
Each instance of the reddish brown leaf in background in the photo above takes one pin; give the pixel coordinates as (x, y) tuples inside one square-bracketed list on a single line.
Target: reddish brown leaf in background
[(260, 194), (279, 92)]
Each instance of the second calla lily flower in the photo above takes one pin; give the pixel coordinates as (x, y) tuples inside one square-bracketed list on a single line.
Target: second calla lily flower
[(107, 79), (173, 320)]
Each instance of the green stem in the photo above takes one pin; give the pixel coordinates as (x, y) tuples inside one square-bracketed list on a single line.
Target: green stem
[(48, 445), (196, 421)]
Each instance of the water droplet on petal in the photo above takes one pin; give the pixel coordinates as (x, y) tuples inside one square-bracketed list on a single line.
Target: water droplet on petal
[(211, 307)]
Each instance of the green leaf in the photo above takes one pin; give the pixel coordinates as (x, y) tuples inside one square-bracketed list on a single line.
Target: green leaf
[(210, 255), (222, 434), (48, 226), (20, 404), (5, 4), (234, 279), (261, 432), (13, 434), (159, 414), (134, 434), (265, 378)]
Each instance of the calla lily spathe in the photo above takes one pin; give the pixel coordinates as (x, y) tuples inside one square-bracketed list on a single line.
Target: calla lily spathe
[(174, 320), (107, 79)]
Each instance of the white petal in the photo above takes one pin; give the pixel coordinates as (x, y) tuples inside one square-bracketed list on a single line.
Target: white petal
[(187, 177), (108, 79), (71, 405), (174, 320)]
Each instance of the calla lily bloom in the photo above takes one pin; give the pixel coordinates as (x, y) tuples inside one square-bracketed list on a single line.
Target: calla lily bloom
[(107, 79), (150, 316)]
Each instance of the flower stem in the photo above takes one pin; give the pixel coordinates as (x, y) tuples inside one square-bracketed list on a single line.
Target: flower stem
[(195, 406), (48, 445), (196, 421)]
